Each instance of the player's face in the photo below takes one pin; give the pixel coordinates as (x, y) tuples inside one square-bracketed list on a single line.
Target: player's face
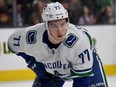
[(57, 29)]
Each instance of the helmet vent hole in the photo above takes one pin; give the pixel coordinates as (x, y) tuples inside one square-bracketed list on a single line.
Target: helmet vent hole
[(57, 17), (46, 5), (62, 16)]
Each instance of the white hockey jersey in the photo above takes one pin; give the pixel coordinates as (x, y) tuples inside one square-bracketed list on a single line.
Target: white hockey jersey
[(72, 58)]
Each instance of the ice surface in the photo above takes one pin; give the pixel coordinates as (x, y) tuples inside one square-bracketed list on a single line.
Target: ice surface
[(111, 82)]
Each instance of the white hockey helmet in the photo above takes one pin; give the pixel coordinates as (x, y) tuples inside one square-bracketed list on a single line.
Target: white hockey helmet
[(54, 11)]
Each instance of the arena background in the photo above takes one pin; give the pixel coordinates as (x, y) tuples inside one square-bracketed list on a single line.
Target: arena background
[(13, 68)]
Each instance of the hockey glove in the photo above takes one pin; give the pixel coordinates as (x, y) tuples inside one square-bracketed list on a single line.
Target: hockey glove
[(37, 67)]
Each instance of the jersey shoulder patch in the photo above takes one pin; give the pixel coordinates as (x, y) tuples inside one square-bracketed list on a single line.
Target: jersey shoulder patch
[(70, 40), (31, 36)]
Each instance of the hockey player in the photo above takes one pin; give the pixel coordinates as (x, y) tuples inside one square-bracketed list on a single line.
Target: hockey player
[(57, 51)]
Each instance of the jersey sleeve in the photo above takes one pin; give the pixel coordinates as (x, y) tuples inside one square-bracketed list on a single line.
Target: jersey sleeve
[(15, 41), (83, 59)]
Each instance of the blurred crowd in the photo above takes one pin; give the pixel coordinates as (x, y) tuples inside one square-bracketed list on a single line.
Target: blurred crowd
[(20, 13)]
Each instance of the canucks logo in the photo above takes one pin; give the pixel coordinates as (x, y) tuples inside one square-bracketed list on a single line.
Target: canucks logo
[(31, 36), (70, 40)]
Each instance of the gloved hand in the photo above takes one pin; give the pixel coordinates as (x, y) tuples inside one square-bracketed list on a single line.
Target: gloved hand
[(43, 78), (37, 67)]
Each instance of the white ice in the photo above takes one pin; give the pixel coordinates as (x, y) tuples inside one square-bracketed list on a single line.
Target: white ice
[(111, 82)]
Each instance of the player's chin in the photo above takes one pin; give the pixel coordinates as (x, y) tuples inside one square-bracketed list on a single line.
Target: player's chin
[(60, 38)]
